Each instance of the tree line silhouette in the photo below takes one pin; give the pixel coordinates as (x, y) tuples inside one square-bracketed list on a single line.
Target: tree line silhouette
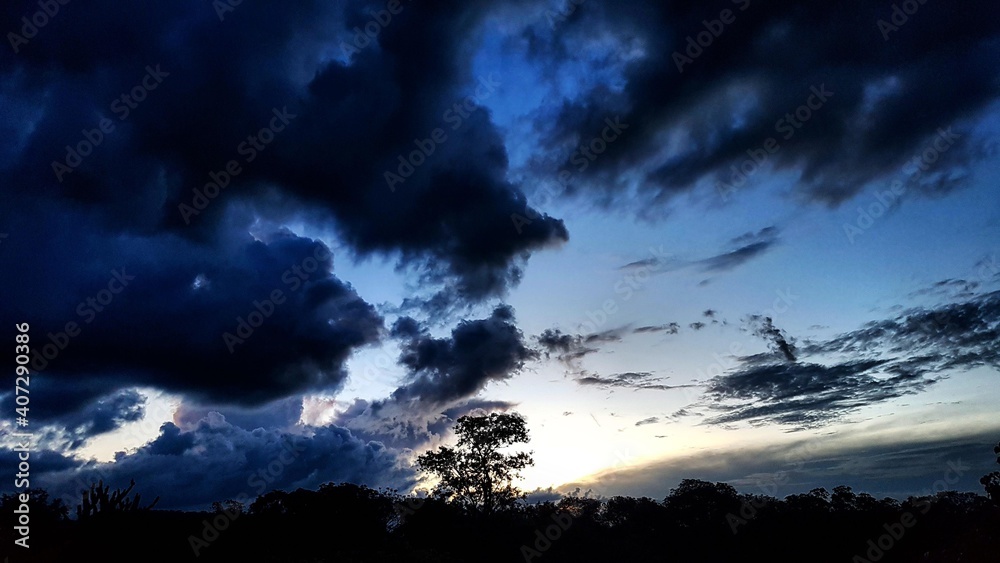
[(476, 515)]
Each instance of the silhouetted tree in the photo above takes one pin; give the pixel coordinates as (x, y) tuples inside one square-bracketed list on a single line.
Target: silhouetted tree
[(843, 499), (697, 521), (476, 472), (42, 509), (97, 501), (696, 503), (991, 481), (231, 507), (582, 507), (623, 511)]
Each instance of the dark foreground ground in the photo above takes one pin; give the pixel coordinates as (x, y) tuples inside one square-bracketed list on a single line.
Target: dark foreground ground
[(698, 521)]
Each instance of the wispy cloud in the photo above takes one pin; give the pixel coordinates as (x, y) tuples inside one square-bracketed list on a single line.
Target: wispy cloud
[(629, 380), (669, 328), (737, 252), (883, 360), (747, 247)]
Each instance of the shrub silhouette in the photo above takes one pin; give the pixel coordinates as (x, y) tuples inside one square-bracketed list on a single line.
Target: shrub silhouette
[(98, 503)]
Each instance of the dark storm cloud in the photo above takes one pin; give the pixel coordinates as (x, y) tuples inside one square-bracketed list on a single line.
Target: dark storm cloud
[(171, 441), (411, 426), (70, 429), (444, 375), (216, 460), (42, 461), (692, 126), (167, 327), (455, 209), (429, 427), (407, 328), (341, 127), (105, 415), (443, 370), (65, 397), (281, 414), (344, 126)]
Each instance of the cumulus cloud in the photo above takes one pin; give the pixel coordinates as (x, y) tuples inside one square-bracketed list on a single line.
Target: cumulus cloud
[(72, 429), (199, 265), (444, 376), (443, 370), (216, 460), (449, 223), (186, 321)]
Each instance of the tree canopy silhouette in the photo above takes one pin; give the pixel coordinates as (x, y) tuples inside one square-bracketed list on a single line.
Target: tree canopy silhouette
[(697, 521), (476, 473), (991, 481)]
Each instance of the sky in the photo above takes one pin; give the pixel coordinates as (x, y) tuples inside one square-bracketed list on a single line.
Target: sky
[(734, 241)]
